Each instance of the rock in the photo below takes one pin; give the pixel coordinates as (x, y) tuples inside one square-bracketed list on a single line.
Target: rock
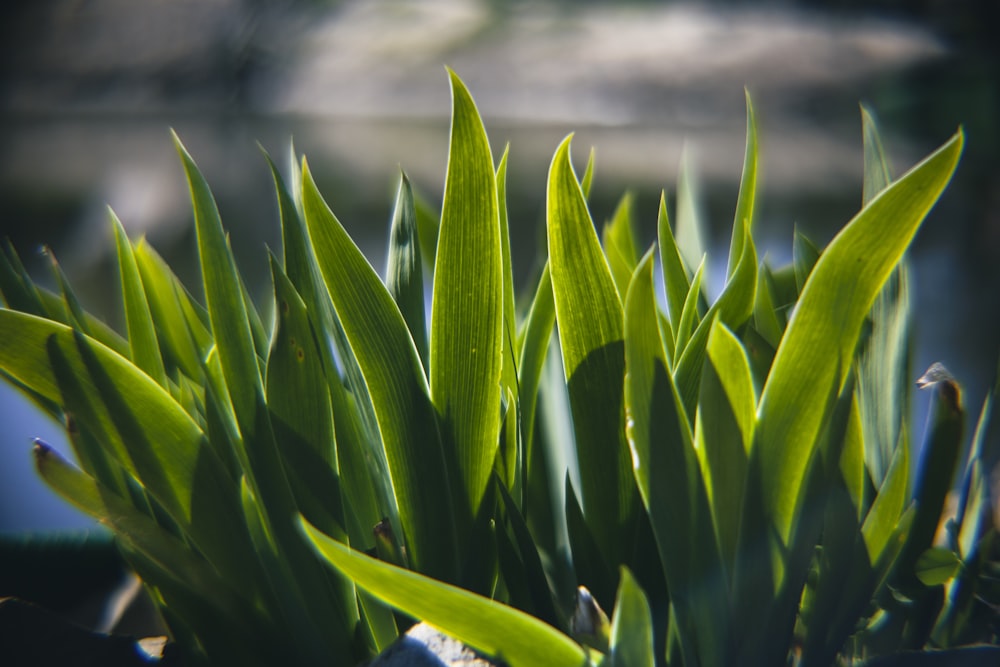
[(424, 646)]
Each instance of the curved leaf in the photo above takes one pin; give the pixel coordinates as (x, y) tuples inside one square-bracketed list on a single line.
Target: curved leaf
[(520, 639), (467, 314), (589, 317), (824, 330), (138, 423), (395, 381)]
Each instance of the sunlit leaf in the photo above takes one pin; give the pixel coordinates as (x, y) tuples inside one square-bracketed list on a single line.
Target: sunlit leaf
[(395, 382), (138, 318), (467, 336), (488, 626), (838, 295), (618, 238), (589, 317)]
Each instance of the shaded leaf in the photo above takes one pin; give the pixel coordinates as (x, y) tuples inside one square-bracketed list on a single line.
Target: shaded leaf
[(589, 317)]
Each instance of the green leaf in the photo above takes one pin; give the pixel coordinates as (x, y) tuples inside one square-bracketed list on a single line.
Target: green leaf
[(824, 331), (690, 222), (233, 322), (180, 327), (589, 315), (138, 423), (670, 482), (297, 393), (588, 173), (877, 174), (488, 626), (724, 432), (675, 274), (171, 555), (888, 506), (743, 223), (467, 315), (227, 310), (511, 348), (19, 291), (404, 273), (589, 564), (766, 321), (733, 308), (138, 319), (618, 238), (884, 376), (396, 384), (804, 257), (360, 455), (534, 343), (75, 316), (302, 627), (631, 626), (690, 317), (534, 574), (937, 565)]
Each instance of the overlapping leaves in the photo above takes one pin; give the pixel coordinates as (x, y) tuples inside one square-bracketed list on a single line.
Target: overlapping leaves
[(731, 476)]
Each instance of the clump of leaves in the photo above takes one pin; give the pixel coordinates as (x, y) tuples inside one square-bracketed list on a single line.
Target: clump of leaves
[(730, 478)]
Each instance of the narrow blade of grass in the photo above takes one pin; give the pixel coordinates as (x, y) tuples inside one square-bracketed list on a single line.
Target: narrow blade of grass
[(138, 318)]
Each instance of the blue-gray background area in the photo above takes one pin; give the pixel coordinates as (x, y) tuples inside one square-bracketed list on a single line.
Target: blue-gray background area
[(88, 91)]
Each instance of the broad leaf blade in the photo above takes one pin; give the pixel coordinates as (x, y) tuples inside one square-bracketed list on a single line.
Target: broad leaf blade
[(724, 428), (467, 315), (589, 315), (495, 629), (837, 297), (141, 426), (388, 360)]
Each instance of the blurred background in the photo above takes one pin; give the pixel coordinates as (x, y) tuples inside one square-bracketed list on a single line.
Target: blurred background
[(90, 88)]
